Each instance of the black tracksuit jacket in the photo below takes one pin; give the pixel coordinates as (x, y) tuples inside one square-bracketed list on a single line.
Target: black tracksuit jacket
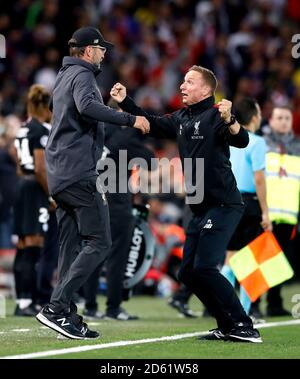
[(201, 133), (133, 141), (76, 139)]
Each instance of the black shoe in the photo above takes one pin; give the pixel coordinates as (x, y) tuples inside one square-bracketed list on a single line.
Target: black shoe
[(88, 333), (83, 327), (214, 335), (29, 311), (277, 311), (244, 334), (93, 315), (121, 315), (61, 323), (182, 308)]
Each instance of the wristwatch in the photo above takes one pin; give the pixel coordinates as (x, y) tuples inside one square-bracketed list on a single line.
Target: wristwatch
[(232, 120)]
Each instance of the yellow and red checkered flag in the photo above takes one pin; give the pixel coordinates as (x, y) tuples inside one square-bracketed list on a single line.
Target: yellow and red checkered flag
[(261, 265)]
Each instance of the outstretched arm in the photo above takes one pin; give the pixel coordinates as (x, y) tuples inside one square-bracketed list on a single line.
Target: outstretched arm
[(87, 104)]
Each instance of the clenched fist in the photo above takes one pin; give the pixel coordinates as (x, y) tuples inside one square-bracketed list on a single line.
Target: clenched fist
[(224, 107), (118, 92)]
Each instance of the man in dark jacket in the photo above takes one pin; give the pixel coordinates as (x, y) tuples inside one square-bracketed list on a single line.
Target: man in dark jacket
[(74, 146), (205, 131)]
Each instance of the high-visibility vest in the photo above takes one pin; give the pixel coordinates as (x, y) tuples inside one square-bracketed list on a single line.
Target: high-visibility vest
[(283, 187)]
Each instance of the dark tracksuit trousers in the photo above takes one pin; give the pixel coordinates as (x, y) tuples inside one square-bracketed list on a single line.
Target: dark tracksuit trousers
[(204, 250), (48, 261), (84, 238), (183, 293), (121, 224)]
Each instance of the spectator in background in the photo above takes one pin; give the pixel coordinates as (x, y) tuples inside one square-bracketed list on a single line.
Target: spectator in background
[(251, 40), (283, 189)]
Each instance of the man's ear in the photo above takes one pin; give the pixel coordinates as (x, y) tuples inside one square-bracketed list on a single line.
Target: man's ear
[(87, 52), (253, 118)]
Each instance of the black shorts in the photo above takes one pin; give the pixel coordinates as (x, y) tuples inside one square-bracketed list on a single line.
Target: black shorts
[(249, 227), (31, 208)]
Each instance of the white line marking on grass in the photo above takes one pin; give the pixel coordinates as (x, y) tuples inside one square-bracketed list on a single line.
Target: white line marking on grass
[(20, 330), (79, 349), (277, 323)]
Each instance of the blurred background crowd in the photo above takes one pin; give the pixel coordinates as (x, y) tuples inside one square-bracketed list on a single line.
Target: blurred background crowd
[(246, 43)]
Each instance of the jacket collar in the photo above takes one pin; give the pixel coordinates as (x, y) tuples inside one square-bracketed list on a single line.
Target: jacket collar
[(202, 105), (282, 138), (69, 61)]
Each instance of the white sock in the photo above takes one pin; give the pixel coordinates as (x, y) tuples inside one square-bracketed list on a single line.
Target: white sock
[(24, 303)]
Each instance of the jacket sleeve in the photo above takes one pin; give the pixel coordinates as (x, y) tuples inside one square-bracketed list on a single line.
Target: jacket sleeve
[(87, 102), (160, 126), (239, 140)]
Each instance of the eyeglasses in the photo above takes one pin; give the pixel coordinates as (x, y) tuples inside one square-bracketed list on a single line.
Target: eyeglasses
[(100, 47)]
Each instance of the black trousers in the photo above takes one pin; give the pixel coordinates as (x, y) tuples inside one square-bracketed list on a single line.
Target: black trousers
[(84, 238), (48, 261), (121, 224), (183, 293), (207, 237)]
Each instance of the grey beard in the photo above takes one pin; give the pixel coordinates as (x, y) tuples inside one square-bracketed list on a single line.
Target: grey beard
[(97, 67)]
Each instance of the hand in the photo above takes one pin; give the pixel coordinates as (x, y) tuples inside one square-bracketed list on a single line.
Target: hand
[(142, 123), (52, 205), (118, 92), (266, 223), (224, 107)]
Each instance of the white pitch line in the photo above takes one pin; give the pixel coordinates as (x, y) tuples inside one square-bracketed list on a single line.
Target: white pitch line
[(79, 349)]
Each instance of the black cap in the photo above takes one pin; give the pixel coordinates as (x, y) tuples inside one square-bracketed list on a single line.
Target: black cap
[(88, 36)]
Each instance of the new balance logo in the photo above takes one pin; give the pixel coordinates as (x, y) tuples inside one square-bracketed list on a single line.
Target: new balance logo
[(63, 321), (208, 224), (219, 334), (83, 330)]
